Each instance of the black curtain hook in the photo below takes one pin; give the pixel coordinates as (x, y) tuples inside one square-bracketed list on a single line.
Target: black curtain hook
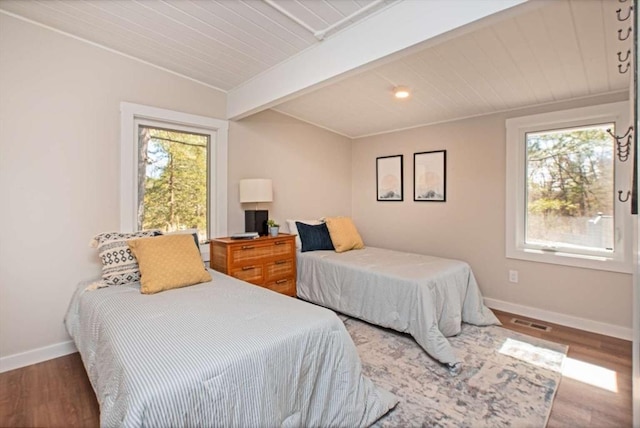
[(626, 57), (626, 37), (628, 14), (620, 196), (622, 136), (624, 150)]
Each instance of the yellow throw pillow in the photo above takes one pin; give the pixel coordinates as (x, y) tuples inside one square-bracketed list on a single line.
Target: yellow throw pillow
[(168, 261), (344, 234)]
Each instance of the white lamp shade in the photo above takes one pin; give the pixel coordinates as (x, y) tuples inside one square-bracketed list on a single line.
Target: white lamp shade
[(256, 190)]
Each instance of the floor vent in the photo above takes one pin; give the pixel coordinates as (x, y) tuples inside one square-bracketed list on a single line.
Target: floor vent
[(530, 324)]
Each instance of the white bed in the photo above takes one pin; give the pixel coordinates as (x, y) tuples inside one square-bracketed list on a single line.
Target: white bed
[(427, 297), (219, 354)]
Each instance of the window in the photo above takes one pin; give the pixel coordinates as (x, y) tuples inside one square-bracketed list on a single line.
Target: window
[(173, 171), (562, 176), (172, 180)]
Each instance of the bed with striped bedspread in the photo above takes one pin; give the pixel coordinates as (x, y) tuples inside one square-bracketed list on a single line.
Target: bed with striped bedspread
[(219, 354)]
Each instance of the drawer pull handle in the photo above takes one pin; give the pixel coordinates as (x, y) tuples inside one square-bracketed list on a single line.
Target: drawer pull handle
[(248, 267), (281, 281), (247, 247), (281, 262), (280, 242)]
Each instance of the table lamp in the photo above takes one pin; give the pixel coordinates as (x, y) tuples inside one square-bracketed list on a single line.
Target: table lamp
[(256, 190)]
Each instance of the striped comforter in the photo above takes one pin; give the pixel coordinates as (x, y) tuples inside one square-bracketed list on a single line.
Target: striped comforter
[(219, 354)]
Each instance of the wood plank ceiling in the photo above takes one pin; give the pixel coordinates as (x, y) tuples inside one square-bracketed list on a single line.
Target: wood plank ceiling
[(559, 50), (564, 50), (220, 43)]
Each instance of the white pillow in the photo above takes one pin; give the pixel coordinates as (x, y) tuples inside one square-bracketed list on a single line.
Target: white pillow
[(119, 265), (293, 229)]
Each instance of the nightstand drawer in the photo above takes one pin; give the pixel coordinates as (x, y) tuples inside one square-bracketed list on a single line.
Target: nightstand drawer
[(249, 251), (285, 286), (249, 273), (279, 269), (267, 261)]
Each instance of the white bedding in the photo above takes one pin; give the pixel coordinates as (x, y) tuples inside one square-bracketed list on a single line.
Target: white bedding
[(219, 354), (427, 297)]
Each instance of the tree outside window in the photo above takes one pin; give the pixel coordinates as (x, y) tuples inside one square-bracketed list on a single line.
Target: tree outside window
[(570, 188), (172, 180), (562, 181)]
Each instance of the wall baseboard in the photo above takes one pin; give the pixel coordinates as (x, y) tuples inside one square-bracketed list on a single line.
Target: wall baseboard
[(38, 355), (557, 318)]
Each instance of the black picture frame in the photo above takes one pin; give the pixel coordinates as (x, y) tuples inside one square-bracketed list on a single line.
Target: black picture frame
[(430, 176), (389, 178)]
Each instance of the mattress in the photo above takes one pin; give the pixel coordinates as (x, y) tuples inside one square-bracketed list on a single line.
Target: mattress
[(219, 354), (427, 297)]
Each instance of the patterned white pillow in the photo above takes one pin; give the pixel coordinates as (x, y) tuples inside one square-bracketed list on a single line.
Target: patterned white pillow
[(119, 265)]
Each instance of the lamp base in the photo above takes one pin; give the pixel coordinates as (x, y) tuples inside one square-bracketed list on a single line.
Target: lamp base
[(256, 221)]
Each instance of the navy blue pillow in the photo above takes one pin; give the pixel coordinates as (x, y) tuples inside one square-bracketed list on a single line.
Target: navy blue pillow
[(314, 237), (195, 238)]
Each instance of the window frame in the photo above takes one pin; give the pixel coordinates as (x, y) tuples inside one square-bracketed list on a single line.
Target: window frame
[(131, 115), (516, 194)]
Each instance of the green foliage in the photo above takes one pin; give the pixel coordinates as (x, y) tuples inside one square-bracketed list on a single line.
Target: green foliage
[(175, 181), (547, 206), (570, 172), (272, 223)]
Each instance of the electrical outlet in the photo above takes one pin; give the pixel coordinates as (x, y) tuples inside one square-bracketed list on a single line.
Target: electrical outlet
[(513, 276)]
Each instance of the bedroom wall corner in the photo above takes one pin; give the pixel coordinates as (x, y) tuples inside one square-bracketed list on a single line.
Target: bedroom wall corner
[(59, 170), (310, 168)]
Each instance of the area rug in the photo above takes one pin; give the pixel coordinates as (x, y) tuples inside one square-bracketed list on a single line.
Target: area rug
[(508, 379)]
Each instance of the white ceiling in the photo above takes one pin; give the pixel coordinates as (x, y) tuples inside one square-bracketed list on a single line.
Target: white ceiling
[(540, 52), (565, 49), (220, 43)]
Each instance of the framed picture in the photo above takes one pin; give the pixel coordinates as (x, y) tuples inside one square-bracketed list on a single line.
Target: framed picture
[(430, 176), (389, 178)]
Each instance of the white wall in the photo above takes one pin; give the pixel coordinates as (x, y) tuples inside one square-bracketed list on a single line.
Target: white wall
[(470, 224), (59, 168), (310, 168), (59, 172)]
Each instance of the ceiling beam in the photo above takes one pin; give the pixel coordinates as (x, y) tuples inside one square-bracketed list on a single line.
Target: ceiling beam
[(393, 29)]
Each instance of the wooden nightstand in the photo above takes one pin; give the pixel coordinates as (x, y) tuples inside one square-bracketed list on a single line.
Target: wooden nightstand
[(267, 261)]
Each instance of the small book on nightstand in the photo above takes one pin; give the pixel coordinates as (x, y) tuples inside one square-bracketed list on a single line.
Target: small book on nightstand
[(245, 235)]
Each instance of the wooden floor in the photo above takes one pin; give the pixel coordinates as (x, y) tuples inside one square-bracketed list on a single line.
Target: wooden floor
[(578, 404), (57, 393)]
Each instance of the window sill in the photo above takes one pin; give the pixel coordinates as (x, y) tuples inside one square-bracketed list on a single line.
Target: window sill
[(573, 260)]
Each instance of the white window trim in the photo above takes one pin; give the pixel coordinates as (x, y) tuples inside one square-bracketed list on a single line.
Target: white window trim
[(620, 259), (218, 154)]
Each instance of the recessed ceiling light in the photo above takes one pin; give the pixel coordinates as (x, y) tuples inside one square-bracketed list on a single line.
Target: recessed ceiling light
[(401, 92)]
